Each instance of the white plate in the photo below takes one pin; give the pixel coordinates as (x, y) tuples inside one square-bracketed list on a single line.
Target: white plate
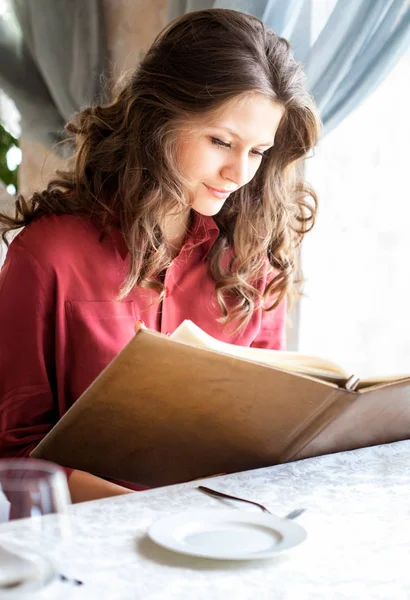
[(226, 534)]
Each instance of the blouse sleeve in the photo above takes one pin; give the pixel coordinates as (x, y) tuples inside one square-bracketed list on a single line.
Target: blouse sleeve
[(28, 406)]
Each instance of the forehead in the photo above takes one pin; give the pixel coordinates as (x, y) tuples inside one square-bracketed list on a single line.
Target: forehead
[(253, 117)]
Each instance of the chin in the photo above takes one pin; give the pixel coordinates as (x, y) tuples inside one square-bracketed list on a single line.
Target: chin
[(208, 209)]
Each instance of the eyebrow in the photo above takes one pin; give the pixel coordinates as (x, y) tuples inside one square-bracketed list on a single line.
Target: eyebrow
[(236, 135)]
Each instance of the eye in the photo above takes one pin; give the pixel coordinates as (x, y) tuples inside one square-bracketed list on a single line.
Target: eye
[(219, 142), (259, 154)]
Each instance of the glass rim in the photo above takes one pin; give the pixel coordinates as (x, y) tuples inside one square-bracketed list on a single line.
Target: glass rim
[(47, 468)]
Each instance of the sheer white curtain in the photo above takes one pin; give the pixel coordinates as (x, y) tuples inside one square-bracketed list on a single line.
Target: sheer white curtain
[(356, 261)]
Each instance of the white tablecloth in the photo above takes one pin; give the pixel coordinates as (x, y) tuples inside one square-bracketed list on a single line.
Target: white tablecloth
[(357, 519)]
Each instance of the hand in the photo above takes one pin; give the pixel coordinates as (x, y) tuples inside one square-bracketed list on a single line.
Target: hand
[(139, 325), (85, 486)]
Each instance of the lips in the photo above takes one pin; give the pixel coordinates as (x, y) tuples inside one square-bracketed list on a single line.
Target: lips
[(218, 192)]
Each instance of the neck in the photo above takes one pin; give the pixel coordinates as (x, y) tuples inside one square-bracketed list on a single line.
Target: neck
[(174, 229)]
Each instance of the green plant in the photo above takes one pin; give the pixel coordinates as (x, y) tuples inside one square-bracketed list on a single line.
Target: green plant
[(6, 142)]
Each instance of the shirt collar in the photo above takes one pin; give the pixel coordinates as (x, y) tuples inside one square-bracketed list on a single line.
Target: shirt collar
[(203, 232)]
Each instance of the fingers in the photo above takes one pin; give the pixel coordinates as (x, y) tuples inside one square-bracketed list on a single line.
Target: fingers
[(139, 325)]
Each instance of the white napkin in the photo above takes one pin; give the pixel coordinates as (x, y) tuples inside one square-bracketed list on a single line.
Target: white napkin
[(17, 570)]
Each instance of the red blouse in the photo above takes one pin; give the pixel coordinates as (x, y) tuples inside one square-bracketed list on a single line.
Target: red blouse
[(60, 324)]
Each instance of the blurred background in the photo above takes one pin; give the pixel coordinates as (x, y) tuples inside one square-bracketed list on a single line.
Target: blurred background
[(57, 56)]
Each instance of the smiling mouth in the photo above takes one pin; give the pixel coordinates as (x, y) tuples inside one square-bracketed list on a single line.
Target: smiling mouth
[(218, 193)]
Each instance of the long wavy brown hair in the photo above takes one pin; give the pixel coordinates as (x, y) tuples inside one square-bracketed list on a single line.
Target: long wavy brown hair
[(125, 173)]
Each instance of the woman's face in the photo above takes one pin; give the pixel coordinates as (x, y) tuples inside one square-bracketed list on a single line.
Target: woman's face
[(218, 155)]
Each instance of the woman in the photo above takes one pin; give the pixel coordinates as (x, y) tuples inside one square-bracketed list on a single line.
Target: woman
[(185, 201)]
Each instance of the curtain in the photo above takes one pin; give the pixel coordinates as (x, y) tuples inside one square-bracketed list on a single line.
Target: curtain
[(52, 57), (343, 69)]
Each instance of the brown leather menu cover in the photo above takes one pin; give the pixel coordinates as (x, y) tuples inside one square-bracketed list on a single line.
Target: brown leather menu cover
[(164, 412)]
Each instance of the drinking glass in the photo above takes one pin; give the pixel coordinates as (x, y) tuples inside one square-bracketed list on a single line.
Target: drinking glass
[(34, 498)]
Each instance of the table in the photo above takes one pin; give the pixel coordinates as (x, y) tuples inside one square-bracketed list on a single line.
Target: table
[(357, 519)]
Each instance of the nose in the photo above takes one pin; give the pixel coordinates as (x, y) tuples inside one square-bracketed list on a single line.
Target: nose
[(236, 169)]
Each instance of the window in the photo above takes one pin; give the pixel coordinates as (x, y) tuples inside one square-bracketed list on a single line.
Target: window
[(357, 259)]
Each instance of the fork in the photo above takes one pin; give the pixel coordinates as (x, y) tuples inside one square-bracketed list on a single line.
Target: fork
[(294, 514)]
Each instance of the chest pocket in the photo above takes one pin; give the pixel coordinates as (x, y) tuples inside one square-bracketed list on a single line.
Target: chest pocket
[(97, 332)]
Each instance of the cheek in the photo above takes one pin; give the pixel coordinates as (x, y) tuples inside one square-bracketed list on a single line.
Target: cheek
[(200, 160), (186, 158), (254, 165)]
